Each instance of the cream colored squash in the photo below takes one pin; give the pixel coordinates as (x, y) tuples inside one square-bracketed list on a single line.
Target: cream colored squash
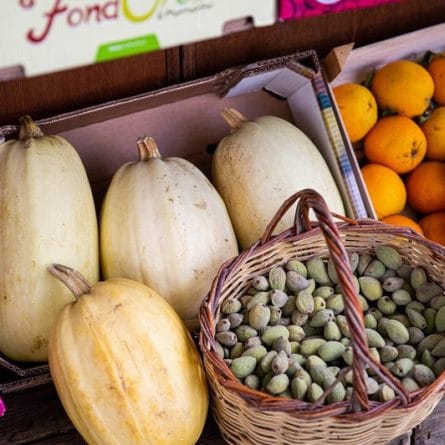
[(261, 164), (164, 224), (125, 367), (47, 214)]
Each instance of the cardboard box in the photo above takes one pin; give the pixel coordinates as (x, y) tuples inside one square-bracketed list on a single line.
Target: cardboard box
[(292, 9), (185, 121), (50, 35), (356, 64), (344, 64)]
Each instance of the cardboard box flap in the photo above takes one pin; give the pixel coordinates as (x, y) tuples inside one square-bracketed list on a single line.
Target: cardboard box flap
[(305, 111), (363, 60), (258, 75), (336, 60), (25, 383), (286, 84), (20, 369), (282, 82), (254, 83)]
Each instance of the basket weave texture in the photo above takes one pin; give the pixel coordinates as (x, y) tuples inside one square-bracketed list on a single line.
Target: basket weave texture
[(247, 416)]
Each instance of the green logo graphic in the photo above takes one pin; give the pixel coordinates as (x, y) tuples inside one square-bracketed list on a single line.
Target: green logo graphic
[(128, 47)]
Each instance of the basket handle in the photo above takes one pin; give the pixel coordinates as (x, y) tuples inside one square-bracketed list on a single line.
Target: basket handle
[(308, 198), (302, 223)]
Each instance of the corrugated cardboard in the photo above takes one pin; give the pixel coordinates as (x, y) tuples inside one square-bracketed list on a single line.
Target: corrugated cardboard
[(185, 121), (359, 62)]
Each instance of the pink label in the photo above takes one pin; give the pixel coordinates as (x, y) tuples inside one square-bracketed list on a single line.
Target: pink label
[(2, 407), (290, 9)]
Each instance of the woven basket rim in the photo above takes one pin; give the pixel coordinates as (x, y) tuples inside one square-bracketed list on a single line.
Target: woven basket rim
[(340, 410), (263, 401)]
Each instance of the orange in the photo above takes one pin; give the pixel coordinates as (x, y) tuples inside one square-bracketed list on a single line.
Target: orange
[(404, 87), (397, 142), (433, 226), (436, 68), (358, 109), (404, 221), (425, 187), (386, 189), (434, 129)]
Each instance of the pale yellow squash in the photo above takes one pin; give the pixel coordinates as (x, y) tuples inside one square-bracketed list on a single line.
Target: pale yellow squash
[(164, 224), (261, 164), (125, 367), (47, 214)]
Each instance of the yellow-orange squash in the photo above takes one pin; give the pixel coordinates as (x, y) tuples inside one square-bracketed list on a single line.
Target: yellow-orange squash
[(47, 214), (124, 365), (164, 224)]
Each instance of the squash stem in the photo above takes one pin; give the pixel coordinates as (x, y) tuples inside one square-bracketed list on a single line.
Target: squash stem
[(233, 118), (72, 279), (28, 128), (147, 148)]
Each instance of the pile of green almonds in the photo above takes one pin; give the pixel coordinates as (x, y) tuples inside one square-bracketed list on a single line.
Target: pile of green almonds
[(287, 334)]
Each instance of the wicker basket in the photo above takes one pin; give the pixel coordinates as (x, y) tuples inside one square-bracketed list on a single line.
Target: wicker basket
[(247, 416)]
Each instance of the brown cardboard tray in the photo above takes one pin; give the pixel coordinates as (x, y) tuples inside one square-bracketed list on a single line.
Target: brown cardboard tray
[(185, 121)]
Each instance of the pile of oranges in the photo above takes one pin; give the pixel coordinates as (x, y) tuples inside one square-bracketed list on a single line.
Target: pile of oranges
[(398, 120)]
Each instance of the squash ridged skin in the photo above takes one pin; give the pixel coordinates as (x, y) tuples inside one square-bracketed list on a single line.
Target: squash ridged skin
[(261, 164), (126, 368), (164, 224), (47, 214)]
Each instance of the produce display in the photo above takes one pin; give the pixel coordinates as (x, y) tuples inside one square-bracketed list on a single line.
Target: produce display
[(396, 120), (119, 348), (47, 214), (259, 165), (164, 224), (287, 335), (125, 367)]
